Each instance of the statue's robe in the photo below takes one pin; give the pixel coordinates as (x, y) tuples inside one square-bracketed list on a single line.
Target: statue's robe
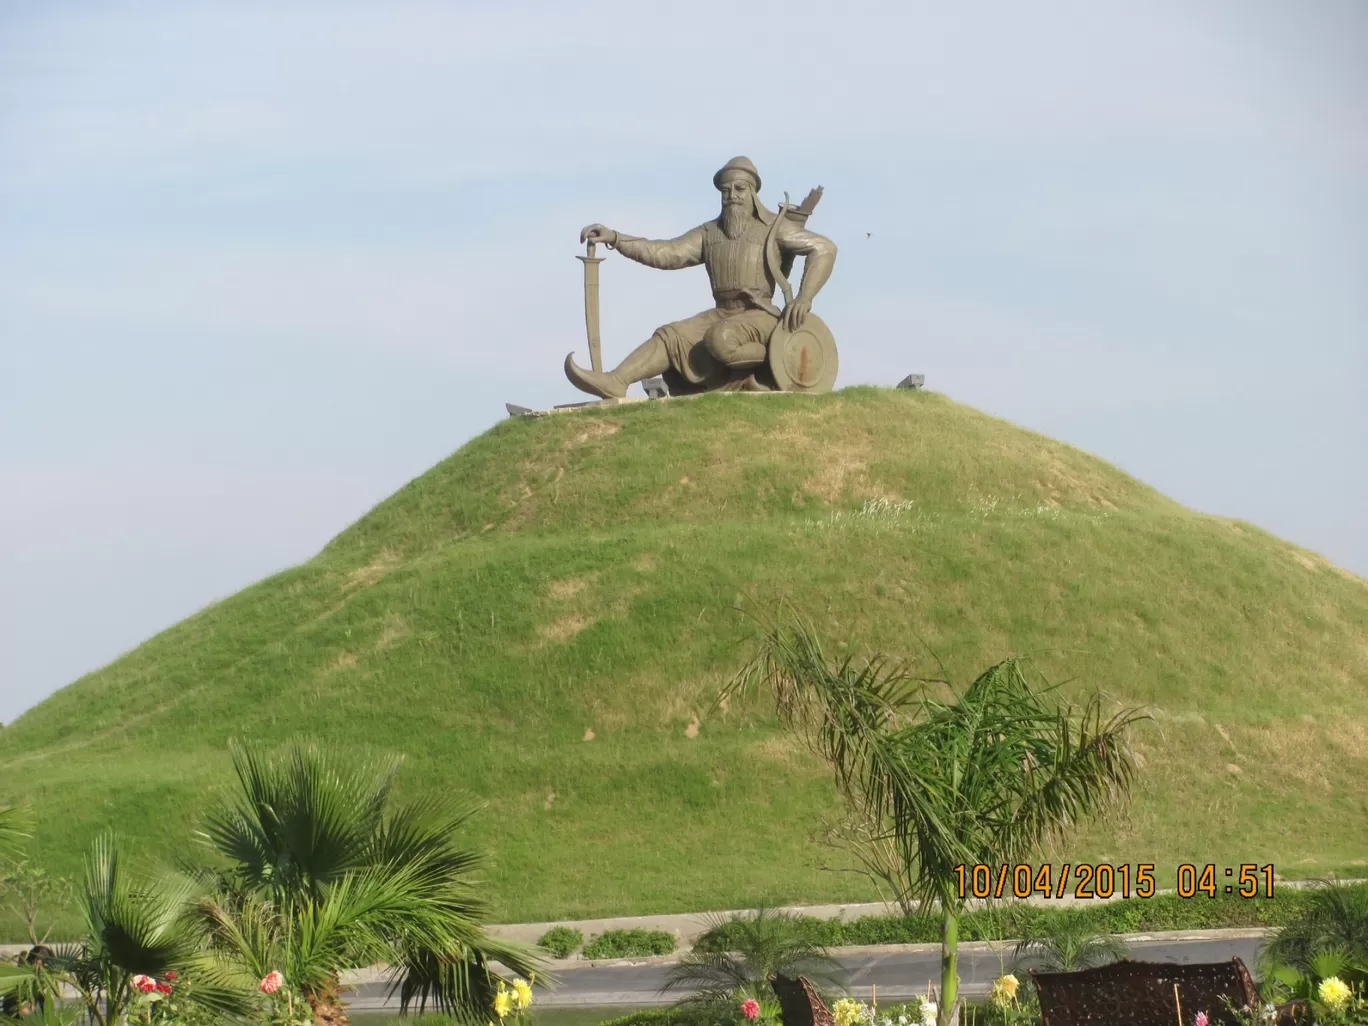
[(742, 287)]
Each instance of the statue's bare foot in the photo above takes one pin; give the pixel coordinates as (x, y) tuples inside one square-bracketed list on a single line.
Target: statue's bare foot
[(603, 384)]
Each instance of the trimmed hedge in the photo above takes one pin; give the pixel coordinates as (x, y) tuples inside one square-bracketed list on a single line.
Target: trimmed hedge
[(651, 1017), (561, 941), (1010, 922), (630, 944)]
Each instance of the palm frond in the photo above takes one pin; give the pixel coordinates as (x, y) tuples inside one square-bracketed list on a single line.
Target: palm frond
[(324, 869), (1066, 944), (461, 983), (299, 819), (15, 824), (1335, 919), (739, 954), (985, 776)]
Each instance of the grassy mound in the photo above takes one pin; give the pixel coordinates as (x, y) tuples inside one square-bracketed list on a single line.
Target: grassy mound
[(544, 620)]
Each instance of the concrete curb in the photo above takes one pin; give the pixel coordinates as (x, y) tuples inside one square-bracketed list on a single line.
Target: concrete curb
[(559, 965), (375, 974)]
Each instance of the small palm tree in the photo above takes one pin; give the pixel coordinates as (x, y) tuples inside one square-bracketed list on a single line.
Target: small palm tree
[(736, 957), (932, 785), (1068, 944), (1335, 920), (320, 868), (1286, 983), (134, 927)]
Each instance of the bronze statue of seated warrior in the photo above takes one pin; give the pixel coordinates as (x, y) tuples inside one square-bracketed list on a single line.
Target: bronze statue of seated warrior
[(744, 342)]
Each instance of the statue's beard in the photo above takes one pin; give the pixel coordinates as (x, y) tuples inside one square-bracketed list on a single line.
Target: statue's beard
[(736, 218)]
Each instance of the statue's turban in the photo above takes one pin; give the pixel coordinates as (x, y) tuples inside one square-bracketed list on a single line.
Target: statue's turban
[(738, 164)]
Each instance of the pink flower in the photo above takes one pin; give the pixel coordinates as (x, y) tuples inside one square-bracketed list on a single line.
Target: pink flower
[(1201, 1019), (271, 982), (750, 1008), (171, 975), (163, 988), (144, 983)]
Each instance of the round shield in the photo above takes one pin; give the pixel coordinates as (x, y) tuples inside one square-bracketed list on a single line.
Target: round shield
[(803, 360)]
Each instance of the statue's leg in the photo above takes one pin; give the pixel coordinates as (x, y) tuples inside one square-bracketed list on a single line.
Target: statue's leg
[(645, 361), (740, 341)]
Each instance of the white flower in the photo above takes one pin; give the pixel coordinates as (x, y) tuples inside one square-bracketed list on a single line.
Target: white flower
[(928, 1010)]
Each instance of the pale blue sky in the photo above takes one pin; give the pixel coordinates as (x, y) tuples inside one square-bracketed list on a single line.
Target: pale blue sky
[(260, 264)]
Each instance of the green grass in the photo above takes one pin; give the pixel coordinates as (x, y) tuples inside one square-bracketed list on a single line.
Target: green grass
[(590, 572)]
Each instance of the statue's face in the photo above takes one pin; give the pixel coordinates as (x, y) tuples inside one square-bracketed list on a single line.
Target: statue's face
[(738, 207), (736, 189)]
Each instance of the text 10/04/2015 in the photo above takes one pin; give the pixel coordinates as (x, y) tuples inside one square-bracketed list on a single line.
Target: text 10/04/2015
[(1085, 880)]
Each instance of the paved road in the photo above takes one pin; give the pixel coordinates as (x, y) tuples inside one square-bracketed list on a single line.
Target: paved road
[(897, 974)]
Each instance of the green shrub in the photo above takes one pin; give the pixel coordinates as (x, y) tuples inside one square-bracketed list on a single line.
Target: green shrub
[(629, 944), (670, 1016), (561, 941), (1014, 921)]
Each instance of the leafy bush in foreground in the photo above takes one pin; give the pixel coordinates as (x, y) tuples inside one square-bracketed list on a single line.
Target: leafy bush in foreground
[(629, 944), (668, 1016)]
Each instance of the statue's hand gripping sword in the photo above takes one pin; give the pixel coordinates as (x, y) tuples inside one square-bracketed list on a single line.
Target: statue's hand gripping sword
[(591, 305)]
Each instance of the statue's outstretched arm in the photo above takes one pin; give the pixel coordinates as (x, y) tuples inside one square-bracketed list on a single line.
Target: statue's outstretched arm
[(663, 254), (818, 253)]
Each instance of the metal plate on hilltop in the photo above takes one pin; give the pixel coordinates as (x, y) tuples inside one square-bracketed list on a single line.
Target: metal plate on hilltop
[(803, 360)]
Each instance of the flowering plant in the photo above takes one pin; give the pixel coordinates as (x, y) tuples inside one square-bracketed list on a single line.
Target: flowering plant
[(151, 993), (1338, 1004), (758, 1009), (511, 1002), (1334, 994), (159, 1002), (282, 1005), (1004, 991), (907, 1014), (849, 1012), (1011, 1005), (857, 1013)]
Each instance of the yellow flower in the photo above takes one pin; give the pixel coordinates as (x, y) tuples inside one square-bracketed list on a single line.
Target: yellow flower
[(847, 1012), (1334, 993), (1004, 990), (522, 993), (503, 1002)]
